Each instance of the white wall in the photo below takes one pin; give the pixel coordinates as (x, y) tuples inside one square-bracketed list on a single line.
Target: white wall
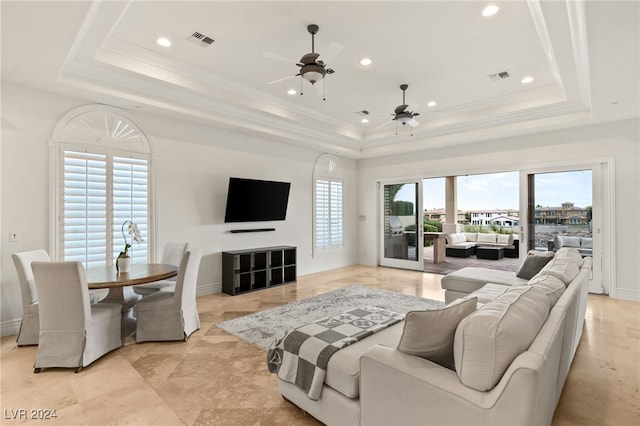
[(618, 141), (192, 164)]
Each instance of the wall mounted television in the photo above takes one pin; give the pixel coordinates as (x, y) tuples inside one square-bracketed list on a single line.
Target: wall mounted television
[(252, 200)]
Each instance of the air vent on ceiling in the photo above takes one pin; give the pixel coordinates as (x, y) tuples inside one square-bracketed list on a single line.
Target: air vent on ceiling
[(201, 39), (499, 75)]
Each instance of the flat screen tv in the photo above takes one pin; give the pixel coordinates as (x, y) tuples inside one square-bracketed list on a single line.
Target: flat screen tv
[(251, 200)]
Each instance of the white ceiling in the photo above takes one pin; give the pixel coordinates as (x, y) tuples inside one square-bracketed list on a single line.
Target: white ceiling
[(584, 58)]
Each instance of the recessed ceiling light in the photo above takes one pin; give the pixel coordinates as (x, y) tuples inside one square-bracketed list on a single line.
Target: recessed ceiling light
[(365, 61), (490, 10), (364, 120), (526, 80), (431, 103), (291, 92), (164, 42)]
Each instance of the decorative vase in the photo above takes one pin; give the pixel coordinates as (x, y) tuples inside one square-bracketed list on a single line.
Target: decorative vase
[(123, 264)]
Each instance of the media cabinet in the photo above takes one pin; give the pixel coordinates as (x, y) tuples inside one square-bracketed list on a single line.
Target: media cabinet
[(257, 269)]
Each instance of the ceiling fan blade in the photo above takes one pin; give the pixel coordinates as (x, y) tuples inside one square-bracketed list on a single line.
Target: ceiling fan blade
[(331, 52), (281, 79), (278, 57)]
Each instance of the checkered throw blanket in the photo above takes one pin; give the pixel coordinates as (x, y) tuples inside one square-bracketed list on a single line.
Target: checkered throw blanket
[(302, 355)]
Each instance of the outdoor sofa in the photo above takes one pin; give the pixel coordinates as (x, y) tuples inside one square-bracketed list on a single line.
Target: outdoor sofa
[(464, 244)]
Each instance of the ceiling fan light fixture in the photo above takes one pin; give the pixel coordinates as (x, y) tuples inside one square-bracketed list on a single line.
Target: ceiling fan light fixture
[(313, 73)]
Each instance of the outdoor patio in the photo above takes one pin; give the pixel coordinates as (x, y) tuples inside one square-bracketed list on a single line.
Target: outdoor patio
[(455, 263)]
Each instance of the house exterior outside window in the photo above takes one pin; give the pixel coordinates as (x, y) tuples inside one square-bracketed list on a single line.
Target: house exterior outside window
[(101, 174), (328, 196)]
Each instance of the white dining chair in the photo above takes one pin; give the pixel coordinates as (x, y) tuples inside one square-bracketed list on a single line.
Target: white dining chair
[(171, 255), (73, 332), (29, 326), (171, 314)]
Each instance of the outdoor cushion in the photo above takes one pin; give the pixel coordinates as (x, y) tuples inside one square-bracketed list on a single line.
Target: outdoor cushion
[(487, 238), (429, 334), (471, 236), (487, 341), (563, 241), (586, 243), (462, 245), (456, 238), (505, 239)]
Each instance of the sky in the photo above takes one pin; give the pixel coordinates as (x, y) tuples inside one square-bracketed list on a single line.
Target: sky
[(500, 190)]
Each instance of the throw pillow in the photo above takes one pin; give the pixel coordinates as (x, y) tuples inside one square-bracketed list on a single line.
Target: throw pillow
[(532, 265), (430, 334)]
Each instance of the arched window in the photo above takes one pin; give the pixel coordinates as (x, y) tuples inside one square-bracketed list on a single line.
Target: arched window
[(101, 179), (328, 203)]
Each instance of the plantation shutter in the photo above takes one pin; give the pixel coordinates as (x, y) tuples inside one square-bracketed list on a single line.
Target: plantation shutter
[(85, 204), (322, 213), (336, 214), (328, 213), (130, 203)]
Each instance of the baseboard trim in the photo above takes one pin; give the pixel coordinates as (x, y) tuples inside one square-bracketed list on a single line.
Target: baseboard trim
[(10, 327), (207, 289), (626, 294)]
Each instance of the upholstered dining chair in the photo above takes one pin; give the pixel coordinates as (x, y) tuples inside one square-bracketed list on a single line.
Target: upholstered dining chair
[(171, 314), (73, 332), (29, 326), (171, 255)]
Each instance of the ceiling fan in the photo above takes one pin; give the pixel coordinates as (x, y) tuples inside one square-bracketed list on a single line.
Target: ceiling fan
[(403, 114), (312, 69)]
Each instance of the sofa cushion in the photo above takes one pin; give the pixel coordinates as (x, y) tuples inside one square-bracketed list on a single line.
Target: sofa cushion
[(552, 287), (570, 253), (563, 269), (343, 368), (471, 236), (456, 238), (488, 292), (532, 265), (429, 334), (470, 279), (486, 238), (487, 341)]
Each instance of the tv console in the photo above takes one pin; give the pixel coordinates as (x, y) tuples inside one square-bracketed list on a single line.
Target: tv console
[(256, 269)]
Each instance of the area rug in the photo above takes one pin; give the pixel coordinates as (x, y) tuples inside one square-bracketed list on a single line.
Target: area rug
[(262, 328)]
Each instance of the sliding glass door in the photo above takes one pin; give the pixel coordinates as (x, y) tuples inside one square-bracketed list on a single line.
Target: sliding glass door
[(401, 227), (563, 210)]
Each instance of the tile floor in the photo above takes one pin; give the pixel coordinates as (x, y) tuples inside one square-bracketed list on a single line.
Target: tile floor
[(217, 379)]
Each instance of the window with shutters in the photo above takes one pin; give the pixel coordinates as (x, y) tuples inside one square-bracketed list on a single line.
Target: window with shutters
[(102, 181), (328, 203)]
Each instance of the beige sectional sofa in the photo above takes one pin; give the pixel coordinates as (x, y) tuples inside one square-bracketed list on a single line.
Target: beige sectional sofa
[(512, 356)]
